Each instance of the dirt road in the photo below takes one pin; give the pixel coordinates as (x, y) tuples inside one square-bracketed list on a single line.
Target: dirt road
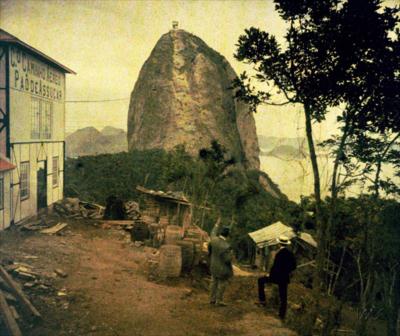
[(106, 291)]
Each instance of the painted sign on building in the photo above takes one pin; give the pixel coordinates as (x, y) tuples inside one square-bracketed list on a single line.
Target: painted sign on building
[(30, 75)]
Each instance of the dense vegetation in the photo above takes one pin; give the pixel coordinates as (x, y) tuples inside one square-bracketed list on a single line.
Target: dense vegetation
[(342, 56), (364, 253), (211, 181)]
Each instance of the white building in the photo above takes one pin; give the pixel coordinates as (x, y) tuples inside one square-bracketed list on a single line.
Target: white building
[(32, 123)]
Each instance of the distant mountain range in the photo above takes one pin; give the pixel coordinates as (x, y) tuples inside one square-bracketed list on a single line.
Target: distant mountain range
[(295, 148), (90, 141)]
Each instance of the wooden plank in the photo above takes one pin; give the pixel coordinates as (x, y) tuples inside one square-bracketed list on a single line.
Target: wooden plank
[(19, 294), (9, 297), (8, 317), (14, 312), (117, 222), (54, 229)]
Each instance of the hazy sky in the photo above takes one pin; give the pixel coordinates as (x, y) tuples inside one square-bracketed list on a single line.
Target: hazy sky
[(107, 42)]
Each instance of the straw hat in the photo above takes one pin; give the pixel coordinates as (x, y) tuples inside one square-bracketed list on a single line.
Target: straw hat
[(283, 240)]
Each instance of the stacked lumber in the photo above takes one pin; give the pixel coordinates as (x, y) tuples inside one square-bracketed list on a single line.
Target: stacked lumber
[(132, 210), (75, 208), (54, 229), (43, 226), (35, 225), (10, 291), (8, 316)]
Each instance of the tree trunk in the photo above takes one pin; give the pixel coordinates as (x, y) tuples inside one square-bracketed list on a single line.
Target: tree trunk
[(338, 156), (361, 328), (334, 188), (393, 305), (392, 324), (319, 271), (321, 227)]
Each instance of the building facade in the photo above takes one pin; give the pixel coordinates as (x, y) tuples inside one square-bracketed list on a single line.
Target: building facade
[(32, 124)]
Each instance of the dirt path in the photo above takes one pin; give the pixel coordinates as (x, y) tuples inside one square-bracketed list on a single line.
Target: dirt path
[(107, 291)]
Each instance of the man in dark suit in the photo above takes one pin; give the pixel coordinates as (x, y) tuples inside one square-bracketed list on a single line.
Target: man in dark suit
[(220, 266), (283, 265)]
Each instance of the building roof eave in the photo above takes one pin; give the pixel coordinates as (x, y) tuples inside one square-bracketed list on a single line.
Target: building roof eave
[(5, 165), (6, 37)]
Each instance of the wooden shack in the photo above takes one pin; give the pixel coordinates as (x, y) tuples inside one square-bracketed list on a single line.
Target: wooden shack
[(168, 217), (266, 238), (166, 208)]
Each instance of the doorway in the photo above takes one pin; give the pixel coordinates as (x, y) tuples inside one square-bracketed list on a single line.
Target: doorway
[(42, 185)]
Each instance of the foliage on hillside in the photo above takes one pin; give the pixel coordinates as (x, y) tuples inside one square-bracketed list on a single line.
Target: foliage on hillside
[(208, 181)]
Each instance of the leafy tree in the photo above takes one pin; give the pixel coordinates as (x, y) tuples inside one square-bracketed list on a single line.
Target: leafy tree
[(303, 71), (375, 153), (331, 57)]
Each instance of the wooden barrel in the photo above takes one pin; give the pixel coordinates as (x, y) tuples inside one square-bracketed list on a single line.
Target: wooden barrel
[(197, 249), (187, 254), (170, 261), (173, 233), (193, 232)]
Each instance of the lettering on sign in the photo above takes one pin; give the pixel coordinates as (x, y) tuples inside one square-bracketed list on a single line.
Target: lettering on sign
[(29, 75)]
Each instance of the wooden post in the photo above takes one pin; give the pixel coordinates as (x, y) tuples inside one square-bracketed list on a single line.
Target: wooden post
[(177, 214)]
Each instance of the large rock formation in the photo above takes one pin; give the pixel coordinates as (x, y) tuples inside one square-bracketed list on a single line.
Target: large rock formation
[(183, 96)]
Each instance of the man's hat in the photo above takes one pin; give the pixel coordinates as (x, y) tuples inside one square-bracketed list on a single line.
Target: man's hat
[(283, 240)]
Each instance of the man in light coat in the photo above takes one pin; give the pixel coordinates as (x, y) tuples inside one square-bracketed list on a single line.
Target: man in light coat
[(220, 266)]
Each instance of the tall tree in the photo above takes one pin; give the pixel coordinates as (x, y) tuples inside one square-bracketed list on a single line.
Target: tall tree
[(336, 53), (371, 85), (303, 71)]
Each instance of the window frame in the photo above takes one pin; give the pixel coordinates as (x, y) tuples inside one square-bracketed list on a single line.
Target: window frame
[(55, 174), (23, 163), (35, 118), (41, 118)]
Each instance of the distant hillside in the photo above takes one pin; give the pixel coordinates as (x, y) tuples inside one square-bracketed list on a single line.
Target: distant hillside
[(286, 151), (282, 147), (90, 141)]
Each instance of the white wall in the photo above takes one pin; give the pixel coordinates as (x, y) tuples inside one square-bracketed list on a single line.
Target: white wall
[(33, 153), (5, 213)]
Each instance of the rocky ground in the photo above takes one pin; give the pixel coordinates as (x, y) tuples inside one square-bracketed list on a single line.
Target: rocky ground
[(101, 288)]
